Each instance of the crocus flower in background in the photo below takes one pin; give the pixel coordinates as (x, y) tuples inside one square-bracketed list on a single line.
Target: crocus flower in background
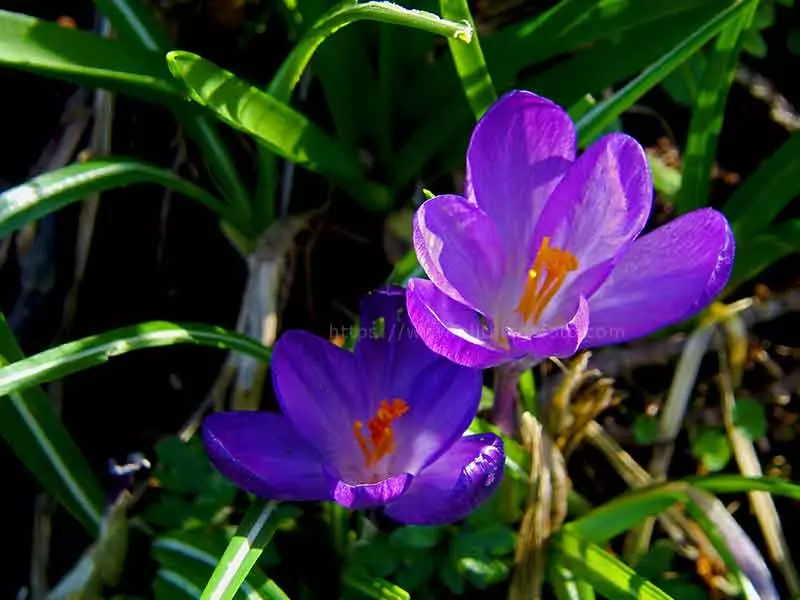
[(381, 426), (541, 255)]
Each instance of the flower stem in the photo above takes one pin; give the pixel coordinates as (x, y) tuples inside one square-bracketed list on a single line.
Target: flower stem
[(506, 394)]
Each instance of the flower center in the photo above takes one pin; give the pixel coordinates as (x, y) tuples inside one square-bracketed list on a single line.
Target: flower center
[(380, 442), (545, 278)]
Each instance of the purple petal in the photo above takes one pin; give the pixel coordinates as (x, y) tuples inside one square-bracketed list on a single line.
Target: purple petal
[(561, 341), (451, 329), (598, 209), (667, 276), (454, 485), (518, 152), (442, 403), (372, 494), (262, 454), (389, 353), (460, 249), (319, 391)]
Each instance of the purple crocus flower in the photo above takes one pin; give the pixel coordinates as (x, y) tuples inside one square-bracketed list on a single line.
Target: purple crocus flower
[(381, 426), (541, 255)]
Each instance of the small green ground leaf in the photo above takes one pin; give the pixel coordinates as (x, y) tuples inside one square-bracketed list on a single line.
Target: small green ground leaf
[(645, 429), (54, 190), (749, 415), (711, 447)]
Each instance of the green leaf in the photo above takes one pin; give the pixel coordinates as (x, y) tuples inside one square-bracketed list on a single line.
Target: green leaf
[(709, 111), (606, 573), (451, 578), (137, 22), (346, 13), (469, 61), (763, 195), (755, 254), (373, 587), (645, 429), (52, 191), (376, 556), (711, 447), (286, 79), (492, 540), (738, 484), (84, 58), (483, 572), (416, 537), (243, 550), (76, 356), (33, 430), (599, 117), (749, 415), (197, 553), (282, 129)]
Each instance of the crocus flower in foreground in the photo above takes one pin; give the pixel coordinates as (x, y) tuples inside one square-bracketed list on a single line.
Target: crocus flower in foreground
[(541, 256), (381, 426)]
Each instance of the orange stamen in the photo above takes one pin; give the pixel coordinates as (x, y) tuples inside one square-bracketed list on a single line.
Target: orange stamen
[(381, 440), (550, 269)]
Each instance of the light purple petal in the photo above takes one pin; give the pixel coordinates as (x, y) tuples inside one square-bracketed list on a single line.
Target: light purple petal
[(319, 391), (450, 328), (453, 486), (389, 353), (460, 249), (442, 403), (561, 341), (262, 454), (667, 276), (518, 152), (373, 494), (598, 209)]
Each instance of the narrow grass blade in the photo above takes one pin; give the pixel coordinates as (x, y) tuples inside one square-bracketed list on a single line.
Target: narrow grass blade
[(184, 552), (567, 587), (286, 79), (763, 195), (709, 111), (84, 58), (243, 551), (53, 191), (139, 26), (606, 573), (373, 587), (738, 484), (469, 61), (346, 13), (94, 350), (167, 582), (754, 254), (30, 425), (282, 129), (592, 123)]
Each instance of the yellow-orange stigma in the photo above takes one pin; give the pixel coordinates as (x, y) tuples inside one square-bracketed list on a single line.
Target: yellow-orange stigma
[(380, 442), (545, 278)]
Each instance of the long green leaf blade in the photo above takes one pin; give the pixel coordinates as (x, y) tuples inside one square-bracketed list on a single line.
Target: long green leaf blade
[(606, 573), (346, 13), (94, 350), (138, 24), (469, 61), (53, 191), (282, 129), (242, 552), (709, 111), (754, 254), (183, 551), (31, 426), (763, 195), (598, 118), (82, 57)]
